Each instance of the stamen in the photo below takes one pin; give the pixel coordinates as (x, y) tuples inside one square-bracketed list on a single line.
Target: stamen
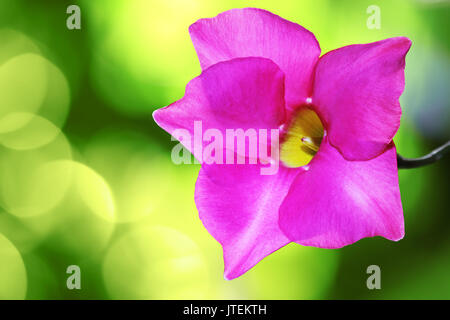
[(302, 139), (312, 143)]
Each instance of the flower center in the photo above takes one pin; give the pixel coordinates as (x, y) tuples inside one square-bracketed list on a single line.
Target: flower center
[(302, 139)]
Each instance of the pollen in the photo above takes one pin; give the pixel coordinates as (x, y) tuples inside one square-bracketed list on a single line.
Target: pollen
[(302, 139)]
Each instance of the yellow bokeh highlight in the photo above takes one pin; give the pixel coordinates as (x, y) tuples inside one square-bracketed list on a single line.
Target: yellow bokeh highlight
[(29, 83), (26, 233), (22, 90), (138, 174), (93, 189), (13, 276), (82, 220), (23, 130), (155, 262), (15, 43), (29, 186), (56, 104)]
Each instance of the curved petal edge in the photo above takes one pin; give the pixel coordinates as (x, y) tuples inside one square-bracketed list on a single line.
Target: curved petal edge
[(356, 93), (252, 32), (239, 208), (338, 202)]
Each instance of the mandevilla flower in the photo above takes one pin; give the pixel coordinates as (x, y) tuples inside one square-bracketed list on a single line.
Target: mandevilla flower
[(337, 182)]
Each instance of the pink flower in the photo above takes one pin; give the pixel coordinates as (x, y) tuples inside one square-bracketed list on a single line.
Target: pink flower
[(338, 179)]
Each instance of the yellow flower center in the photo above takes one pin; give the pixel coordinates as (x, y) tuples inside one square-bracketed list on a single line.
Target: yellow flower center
[(302, 139)]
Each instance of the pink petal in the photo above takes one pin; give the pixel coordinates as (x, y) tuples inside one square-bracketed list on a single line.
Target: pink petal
[(356, 92), (245, 93), (259, 33), (338, 202), (239, 208)]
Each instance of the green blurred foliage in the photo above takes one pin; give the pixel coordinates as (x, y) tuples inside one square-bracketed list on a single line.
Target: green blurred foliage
[(86, 176)]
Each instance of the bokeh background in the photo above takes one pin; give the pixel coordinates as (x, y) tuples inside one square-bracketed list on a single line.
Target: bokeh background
[(86, 176)]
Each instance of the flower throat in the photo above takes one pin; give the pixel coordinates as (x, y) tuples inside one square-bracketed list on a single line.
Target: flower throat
[(302, 139)]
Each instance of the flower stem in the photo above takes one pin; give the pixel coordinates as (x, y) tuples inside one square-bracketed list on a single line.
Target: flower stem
[(433, 156)]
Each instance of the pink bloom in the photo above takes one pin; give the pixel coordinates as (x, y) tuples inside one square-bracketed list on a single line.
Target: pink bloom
[(258, 71)]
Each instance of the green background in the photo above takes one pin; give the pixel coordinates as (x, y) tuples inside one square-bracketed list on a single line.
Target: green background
[(86, 177)]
